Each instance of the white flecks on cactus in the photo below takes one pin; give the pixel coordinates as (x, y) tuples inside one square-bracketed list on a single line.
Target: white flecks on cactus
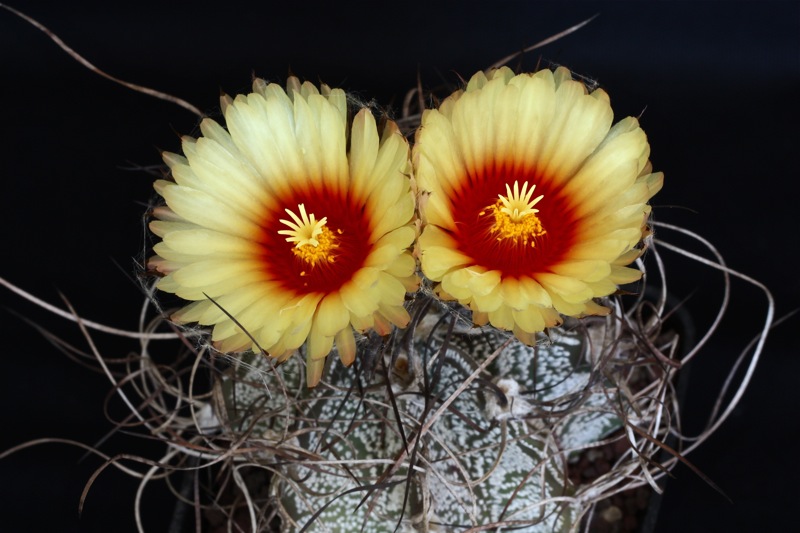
[(493, 455)]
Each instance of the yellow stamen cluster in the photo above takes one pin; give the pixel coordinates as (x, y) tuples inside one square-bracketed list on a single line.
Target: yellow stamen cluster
[(313, 241), (515, 217)]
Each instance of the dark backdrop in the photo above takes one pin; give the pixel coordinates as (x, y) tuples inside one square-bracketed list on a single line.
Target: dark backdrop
[(716, 84)]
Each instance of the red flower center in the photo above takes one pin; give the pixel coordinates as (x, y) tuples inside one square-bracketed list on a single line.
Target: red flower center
[(515, 245), (322, 255)]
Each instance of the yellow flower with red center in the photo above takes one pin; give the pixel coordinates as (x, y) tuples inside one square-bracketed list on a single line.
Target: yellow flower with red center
[(292, 226), (532, 203)]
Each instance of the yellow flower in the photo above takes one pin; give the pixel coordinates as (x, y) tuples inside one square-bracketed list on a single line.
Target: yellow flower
[(295, 222), (531, 202)]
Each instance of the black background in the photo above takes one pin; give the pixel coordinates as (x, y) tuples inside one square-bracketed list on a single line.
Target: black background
[(717, 85)]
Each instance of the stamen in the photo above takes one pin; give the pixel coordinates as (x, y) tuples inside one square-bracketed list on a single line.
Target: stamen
[(515, 216), (313, 240)]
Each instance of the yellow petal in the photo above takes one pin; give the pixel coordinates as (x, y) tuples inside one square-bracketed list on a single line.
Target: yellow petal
[(346, 346), (314, 369), (332, 316)]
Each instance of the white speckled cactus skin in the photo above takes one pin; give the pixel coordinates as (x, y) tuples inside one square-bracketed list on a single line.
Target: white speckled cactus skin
[(495, 454)]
